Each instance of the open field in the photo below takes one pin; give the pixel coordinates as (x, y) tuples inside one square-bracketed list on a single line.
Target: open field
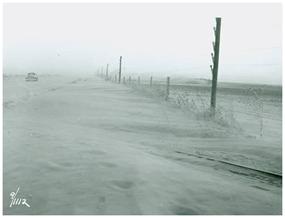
[(245, 111), (89, 146)]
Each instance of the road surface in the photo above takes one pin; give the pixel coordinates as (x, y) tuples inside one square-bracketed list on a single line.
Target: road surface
[(88, 146)]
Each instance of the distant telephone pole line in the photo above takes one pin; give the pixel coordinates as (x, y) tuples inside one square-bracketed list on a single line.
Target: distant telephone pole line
[(215, 66), (120, 69)]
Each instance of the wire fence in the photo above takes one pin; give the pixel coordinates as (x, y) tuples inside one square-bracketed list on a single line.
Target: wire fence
[(253, 108)]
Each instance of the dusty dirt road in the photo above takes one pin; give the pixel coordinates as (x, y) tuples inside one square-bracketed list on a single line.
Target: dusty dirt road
[(91, 147)]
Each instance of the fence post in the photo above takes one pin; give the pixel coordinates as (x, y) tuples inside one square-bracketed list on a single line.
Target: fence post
[(107, 72), (215, 66), (120, 69), (167, 88), (102, 72), (150, 83), (139, 80)]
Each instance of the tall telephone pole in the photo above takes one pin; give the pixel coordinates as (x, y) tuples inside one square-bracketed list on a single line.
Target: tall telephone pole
[(120, 69), (215, 66)]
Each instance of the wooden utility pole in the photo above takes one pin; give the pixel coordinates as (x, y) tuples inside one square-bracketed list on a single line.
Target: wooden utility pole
[(120, 69), (215, 66), (107, 71)]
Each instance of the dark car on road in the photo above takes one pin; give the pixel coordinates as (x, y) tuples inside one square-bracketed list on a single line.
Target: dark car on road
[(31, 77)]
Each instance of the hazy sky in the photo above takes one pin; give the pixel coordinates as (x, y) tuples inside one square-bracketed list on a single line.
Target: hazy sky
[(161, 39)]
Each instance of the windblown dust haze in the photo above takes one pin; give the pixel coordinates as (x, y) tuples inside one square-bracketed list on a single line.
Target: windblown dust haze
[(162, 39)]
